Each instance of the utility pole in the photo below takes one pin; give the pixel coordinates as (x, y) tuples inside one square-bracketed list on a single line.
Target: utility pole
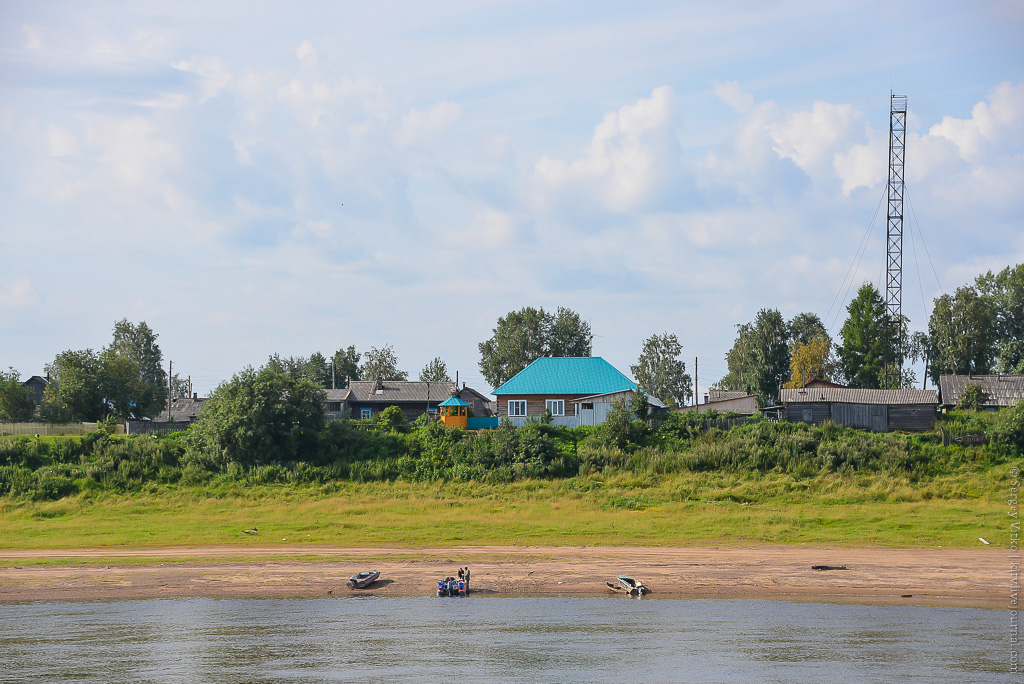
[(894, 238), (695, 402), (170, 376)]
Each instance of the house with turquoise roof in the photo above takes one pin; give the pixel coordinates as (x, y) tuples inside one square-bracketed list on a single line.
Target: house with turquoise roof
[(575, 390)]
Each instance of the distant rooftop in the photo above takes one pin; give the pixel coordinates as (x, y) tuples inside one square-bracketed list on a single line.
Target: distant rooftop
[(583, 375)]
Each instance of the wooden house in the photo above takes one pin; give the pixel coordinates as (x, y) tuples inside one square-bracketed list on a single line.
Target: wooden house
[(1002, 390), (368, 398), (867, 409), (734, 402), (574, 390), (38, 385), (336, 403)]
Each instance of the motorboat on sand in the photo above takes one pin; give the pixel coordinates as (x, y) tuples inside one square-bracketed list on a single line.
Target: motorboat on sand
[(631, 586), (363, 579)]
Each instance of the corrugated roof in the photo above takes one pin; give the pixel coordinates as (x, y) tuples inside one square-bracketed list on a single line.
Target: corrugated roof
[(567, 375), (723, 395), (620, 394), (854, 395), (394, 391), (183, 409), (336, 394), (1002, 390)]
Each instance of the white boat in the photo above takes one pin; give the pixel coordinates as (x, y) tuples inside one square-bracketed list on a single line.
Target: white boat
[(633, 586), (363, 579)]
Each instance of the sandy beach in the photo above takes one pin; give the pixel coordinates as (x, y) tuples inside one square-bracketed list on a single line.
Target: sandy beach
[(968, 577)]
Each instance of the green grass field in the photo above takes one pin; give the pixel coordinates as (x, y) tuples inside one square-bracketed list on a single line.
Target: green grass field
[(625, 509)]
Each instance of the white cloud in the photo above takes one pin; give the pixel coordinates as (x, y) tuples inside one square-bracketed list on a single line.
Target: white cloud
[(863, 165), (33, 37), (420, 127), (211, 69), (18, 296), (134, 151), (626, 161), (812, 138), (731, 94), (63, 142), (306, 52), (996, 122)]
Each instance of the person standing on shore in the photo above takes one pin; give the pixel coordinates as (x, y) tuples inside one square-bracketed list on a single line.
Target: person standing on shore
[(467, 579)]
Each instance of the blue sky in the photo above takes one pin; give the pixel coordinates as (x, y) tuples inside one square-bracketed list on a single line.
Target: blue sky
[(254, 178)]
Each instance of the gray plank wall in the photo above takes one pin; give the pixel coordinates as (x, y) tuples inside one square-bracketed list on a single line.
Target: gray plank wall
[(912, 417)]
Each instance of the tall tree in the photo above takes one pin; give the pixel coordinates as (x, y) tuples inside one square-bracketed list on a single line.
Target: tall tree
[(810, 359), (567, 334), (315, 368), (318, 369), (137, 344), (346, 366), (961, 334), (73, 391), (805, 327), (1005, 293), (759, 357), (435, 371), (259, 417), (125, 395), (660, 372), (770, 353), (381, 364), (521, 337), (738, 361), (866, 346), (180, 386), (17, 403)]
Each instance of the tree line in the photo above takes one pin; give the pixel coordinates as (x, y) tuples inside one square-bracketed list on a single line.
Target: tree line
[(978, 329)]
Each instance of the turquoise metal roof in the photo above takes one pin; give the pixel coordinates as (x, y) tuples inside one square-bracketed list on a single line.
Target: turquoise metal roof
[(453, 401), (567, 375)]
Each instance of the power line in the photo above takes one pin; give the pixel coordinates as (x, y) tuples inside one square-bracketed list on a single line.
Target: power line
[(854, 266), (925, 245)]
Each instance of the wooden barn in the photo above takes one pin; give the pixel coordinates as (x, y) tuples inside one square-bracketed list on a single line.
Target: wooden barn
[(865, 409), (1003, 390)]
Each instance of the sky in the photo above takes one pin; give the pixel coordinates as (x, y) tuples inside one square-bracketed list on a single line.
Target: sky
[(252, 178)]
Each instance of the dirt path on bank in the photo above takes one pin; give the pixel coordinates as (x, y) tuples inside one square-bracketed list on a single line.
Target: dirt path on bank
[(971, 577)]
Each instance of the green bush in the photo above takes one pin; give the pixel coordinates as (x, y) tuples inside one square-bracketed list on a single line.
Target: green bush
[(1008, 427)]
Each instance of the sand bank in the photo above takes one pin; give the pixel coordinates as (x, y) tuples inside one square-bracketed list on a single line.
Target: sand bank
[(969, 577)]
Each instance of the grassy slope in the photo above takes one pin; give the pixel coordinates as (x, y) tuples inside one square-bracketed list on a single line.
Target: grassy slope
[(686, 509)]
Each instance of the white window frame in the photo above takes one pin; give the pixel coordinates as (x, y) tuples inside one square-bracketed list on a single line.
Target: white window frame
[(520, 408), (555, 406), (365, 413)]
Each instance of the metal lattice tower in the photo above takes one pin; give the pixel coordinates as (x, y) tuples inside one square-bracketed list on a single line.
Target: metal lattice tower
[(894, 228)]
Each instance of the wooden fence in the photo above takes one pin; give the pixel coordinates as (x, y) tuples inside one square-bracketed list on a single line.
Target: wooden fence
[(53, 429)]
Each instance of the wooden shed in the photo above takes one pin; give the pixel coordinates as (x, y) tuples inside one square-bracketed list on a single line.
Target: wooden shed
[(1003, 390), (865, 409)]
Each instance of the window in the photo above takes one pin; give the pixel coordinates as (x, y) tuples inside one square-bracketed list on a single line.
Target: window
[(556, 407), (365, 413), (517, 407), (334, 406)]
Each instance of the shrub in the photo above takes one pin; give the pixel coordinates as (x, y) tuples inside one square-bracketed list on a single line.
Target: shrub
[(973, 398), (1008, 427), (392, 415)]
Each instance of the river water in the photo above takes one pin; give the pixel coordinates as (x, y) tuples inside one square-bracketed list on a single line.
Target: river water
[(479, 640)]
